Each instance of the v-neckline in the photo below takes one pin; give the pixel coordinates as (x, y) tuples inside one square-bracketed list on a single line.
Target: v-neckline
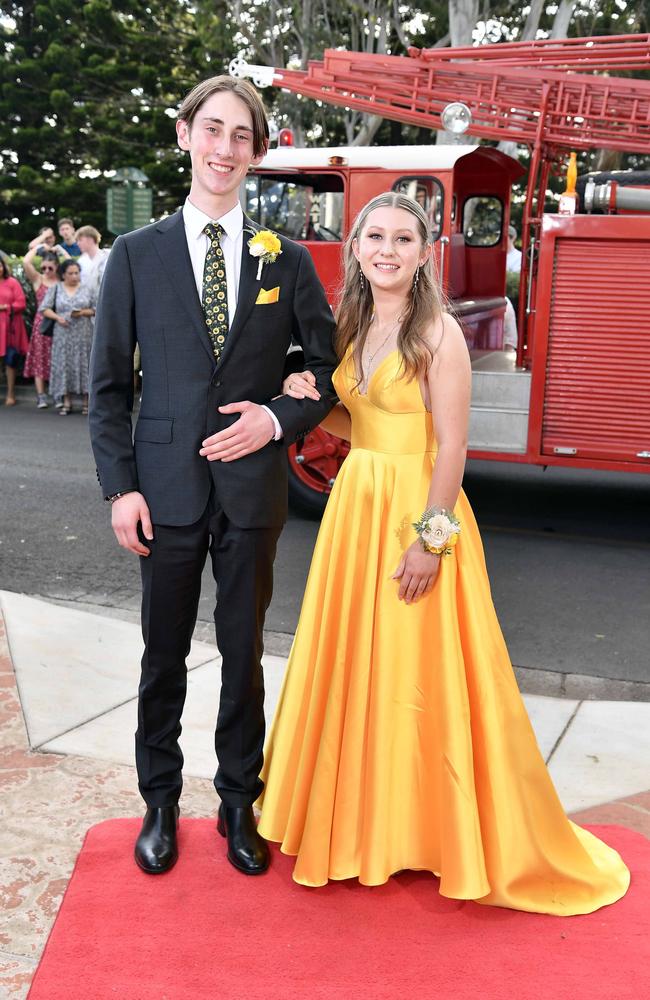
[(370, 377)]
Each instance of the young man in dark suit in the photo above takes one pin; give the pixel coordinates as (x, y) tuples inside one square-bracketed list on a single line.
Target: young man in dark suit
[(206, 470)]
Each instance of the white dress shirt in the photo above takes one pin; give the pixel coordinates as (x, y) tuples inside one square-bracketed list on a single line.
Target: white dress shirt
[(92, 269), (231, 245)]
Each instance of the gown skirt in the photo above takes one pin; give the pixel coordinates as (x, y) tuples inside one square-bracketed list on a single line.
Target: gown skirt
[(400, 739)]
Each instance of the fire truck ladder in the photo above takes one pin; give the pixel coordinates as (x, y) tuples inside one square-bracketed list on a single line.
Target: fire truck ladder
[(507, 95), (546, 94)]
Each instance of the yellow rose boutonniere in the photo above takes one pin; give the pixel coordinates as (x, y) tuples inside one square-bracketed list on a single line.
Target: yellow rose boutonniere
[(266, 246)]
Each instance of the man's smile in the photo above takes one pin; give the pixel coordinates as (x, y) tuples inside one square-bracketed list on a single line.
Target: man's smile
[(221, 168)]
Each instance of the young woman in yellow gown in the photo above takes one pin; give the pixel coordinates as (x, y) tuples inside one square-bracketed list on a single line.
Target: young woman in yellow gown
[(400, 739)]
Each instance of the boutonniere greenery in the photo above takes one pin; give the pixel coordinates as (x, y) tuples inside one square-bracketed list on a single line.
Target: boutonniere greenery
[(266, 246)]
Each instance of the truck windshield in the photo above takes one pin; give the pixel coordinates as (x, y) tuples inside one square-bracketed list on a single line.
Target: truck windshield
[(300, 206)]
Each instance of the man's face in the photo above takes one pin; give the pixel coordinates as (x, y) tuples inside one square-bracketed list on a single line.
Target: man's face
[(85, 243), (220, 144), (66, 232)]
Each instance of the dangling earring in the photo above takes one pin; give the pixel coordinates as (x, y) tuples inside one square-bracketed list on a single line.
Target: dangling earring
[(416, 279), (362, 280)]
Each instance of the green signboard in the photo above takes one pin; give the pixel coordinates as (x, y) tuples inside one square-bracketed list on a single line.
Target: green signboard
[(129, 205)]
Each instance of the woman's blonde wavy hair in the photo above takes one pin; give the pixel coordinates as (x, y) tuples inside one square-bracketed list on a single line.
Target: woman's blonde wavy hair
[(355, 310)]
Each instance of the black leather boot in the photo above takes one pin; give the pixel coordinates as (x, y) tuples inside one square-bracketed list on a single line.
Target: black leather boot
[(156, 849), (247, 851)]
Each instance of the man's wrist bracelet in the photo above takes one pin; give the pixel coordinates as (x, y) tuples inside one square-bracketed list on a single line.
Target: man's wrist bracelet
[(438, 530), (116, 496)]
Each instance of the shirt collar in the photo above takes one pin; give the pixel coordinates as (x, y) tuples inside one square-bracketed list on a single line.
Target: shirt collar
[(195, 221)]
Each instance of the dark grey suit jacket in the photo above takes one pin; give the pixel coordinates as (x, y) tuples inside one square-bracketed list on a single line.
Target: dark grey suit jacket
[(149, 296)]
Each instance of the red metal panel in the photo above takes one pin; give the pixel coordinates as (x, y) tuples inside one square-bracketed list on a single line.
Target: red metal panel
[(596, 396)]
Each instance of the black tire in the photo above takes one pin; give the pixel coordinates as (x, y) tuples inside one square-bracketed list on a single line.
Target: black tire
[(304, 500)]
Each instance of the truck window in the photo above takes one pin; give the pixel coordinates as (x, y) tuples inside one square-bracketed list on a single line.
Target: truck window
[(300, 206), (427, 191), (482, 221)]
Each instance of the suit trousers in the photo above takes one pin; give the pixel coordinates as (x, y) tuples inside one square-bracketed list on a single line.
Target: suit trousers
[(242, 566)]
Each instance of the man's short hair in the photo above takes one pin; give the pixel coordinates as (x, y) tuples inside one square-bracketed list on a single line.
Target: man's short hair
[(89, 231), (512, 232), (242, 89), (62, 222)]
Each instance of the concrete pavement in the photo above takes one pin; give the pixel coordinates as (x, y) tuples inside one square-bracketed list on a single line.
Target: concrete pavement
[(68, 682)]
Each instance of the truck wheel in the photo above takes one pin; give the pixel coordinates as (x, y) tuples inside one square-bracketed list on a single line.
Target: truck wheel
[(313, 465)]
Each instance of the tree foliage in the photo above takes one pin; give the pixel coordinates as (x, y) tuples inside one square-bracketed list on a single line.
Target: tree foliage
[(88, 86)]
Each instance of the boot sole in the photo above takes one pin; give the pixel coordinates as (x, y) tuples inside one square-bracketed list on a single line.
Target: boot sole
[(155, 871)]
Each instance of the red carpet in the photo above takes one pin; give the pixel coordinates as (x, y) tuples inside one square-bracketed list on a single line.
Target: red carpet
[(205, 931)]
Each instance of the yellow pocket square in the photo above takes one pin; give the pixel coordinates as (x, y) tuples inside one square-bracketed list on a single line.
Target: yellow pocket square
[(264, 298)]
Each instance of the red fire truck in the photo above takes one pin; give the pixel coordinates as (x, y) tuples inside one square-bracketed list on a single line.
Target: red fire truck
[(575, 391)]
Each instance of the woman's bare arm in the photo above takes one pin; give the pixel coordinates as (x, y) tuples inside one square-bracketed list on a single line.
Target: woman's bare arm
[(449, 381), (338, 422)]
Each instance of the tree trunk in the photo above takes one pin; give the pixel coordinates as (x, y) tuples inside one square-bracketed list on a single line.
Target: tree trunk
[(532, 21), (463, 15), (562, 19), (368, 130)]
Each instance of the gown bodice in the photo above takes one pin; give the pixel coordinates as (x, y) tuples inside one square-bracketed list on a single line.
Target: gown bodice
[(391, 417)]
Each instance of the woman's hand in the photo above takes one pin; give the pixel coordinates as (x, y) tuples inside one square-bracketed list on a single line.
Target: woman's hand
[(416, 572), (301, 385), (62, 321)]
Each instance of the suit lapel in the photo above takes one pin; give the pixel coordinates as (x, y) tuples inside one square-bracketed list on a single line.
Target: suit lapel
[(171, 245)]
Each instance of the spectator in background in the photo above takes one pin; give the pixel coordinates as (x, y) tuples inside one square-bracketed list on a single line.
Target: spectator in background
[(513, 258), (37, 364), (13, 335), (67, 234), (45, 243), (93, 258), (73, 331)]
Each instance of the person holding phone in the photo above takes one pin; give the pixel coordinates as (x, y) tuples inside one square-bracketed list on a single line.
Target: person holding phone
[(72, 336)]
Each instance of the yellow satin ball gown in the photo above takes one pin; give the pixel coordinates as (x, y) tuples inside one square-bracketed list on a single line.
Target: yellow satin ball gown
[(400, 739)]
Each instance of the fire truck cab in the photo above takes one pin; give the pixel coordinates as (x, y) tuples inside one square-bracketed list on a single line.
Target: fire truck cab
[(314, 195)]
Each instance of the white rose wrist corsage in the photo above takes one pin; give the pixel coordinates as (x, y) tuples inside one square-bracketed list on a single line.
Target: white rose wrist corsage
[(438, 530)]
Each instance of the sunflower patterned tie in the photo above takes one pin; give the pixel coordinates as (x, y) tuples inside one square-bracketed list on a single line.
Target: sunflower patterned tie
[(215, 289)]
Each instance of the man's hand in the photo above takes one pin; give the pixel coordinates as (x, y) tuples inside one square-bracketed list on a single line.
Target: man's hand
[(416, 572), (126, 513), (252, 431)]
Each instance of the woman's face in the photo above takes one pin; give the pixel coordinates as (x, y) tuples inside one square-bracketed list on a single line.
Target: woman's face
[(72, 275), (48, 270), (389, 248)]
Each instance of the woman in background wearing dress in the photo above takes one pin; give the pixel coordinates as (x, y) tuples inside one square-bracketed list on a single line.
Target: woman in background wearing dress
[(73, 331), (400, 739), (39, 355), (13, 335)]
